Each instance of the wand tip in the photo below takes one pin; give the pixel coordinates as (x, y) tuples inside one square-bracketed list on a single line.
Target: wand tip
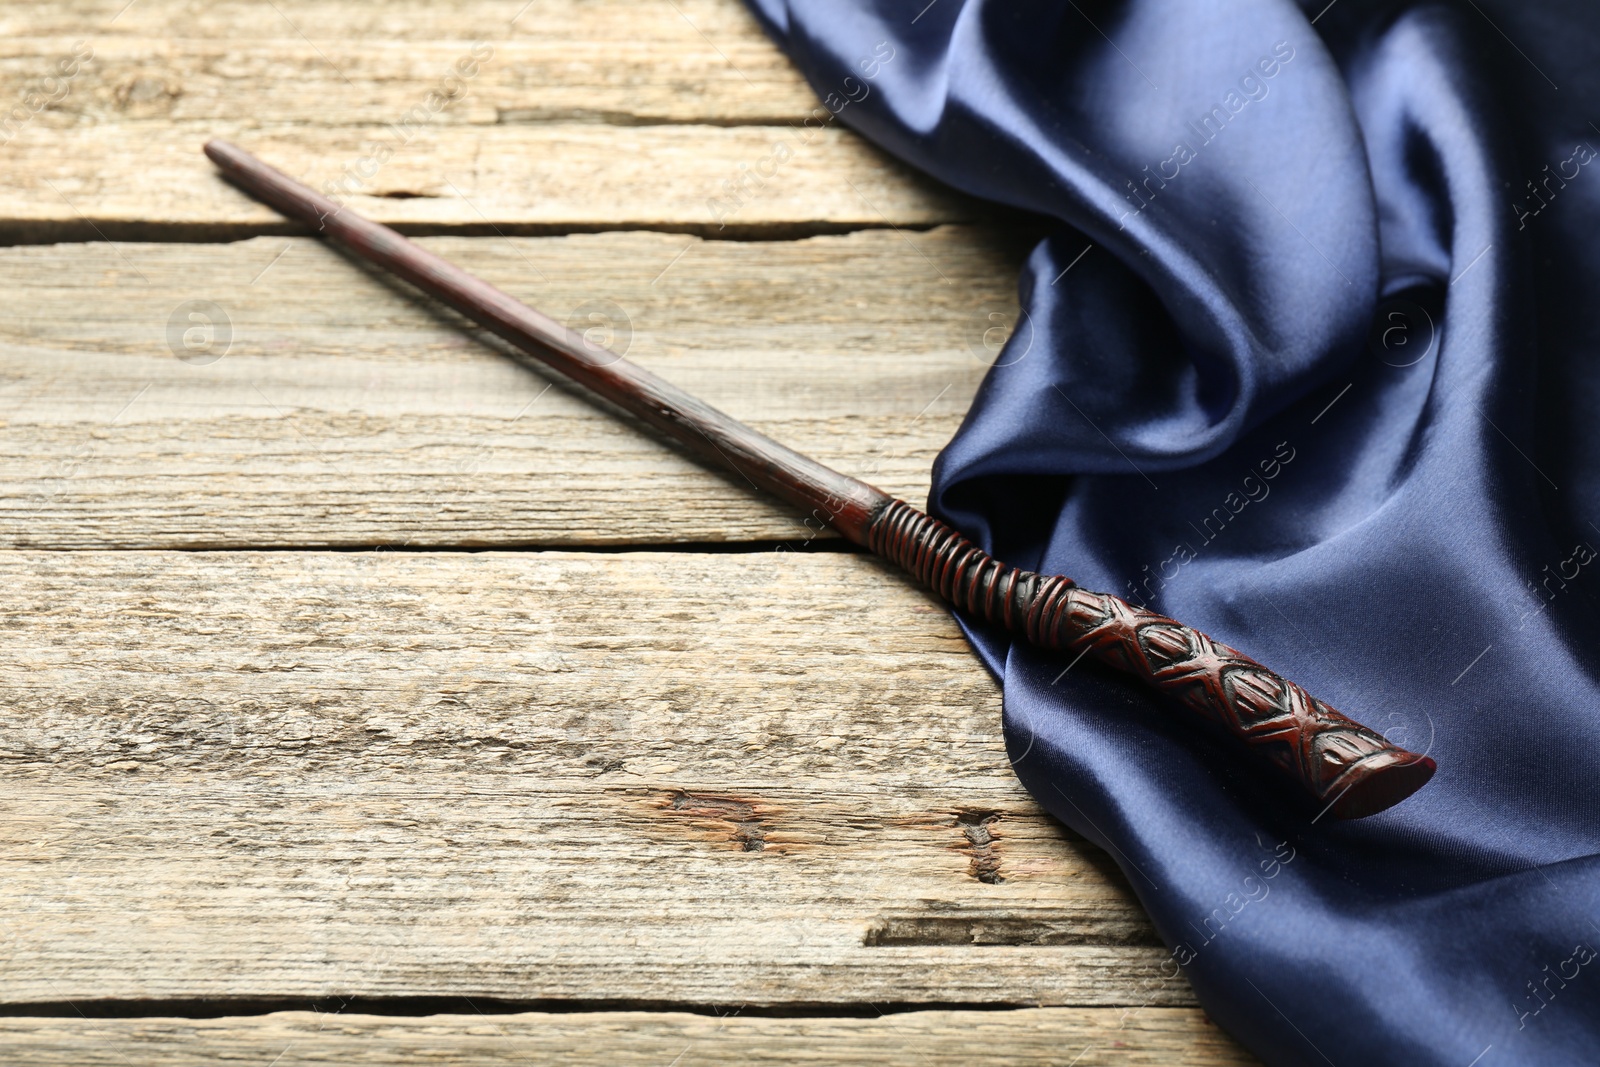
[(220, 151)]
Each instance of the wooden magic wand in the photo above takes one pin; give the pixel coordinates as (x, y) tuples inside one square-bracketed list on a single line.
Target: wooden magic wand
[(1344, 766)]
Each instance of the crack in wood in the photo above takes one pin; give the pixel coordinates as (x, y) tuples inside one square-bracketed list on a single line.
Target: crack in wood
[(998, 928)]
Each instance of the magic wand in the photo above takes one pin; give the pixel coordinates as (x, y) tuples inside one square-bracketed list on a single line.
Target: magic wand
[(1344, 766)]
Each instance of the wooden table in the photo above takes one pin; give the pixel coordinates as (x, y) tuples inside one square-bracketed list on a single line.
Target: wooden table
[(367, 699)]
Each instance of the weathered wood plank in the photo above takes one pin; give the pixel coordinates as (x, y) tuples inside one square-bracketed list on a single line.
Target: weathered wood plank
[(472, 117), (1157, 1037), (347, 412), (555, 116), (653, 777), (369, 63), (151, 180)]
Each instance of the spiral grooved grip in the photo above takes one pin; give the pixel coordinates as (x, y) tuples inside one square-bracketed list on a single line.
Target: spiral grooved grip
[(1340, 763)]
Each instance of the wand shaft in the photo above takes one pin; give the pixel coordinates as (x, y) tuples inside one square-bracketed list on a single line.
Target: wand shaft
[(717, 438), (1343, 765)]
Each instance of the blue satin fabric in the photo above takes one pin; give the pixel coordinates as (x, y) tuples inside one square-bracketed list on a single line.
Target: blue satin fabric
[(1325, 386)]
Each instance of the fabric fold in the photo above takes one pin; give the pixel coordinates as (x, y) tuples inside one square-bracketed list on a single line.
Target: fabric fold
[(1306, 360)]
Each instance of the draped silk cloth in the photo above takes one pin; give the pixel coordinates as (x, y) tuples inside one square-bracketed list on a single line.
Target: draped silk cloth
[(1325, 386)]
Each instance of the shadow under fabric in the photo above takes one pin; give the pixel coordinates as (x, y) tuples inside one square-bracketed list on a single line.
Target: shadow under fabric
[(1325, 387)]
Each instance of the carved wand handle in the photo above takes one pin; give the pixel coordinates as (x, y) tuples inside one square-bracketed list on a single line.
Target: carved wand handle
[(1343, 765)]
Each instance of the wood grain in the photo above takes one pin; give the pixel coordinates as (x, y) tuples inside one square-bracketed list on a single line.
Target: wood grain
[(366, 63), (348, 412), (639, 776), (579, 115), (150, 181), (1157, 1037)]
